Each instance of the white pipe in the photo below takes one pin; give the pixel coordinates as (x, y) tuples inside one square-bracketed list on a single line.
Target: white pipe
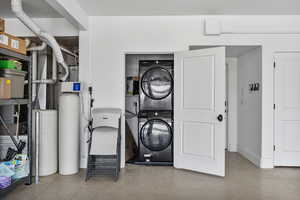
[(69, 52), (37, 143), (38, 48), (27, 42), (34, 66), (34, 73), (44, 36), (44, 81), (35, 50), (54, 68)]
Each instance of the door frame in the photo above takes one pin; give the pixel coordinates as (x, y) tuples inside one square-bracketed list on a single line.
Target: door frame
[(123, 54)]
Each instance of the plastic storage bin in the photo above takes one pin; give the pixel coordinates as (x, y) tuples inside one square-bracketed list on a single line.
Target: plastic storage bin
[(17, 81), (5, 88), (8, 64)]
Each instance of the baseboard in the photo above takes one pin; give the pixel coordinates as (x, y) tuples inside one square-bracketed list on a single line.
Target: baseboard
[(266, 163), (252, 157)]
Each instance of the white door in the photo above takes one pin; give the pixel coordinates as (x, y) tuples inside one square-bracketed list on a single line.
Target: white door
[(199, 106), (287, 109)]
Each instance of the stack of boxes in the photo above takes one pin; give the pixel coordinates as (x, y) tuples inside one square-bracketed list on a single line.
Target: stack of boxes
[(11, 42), (11, 75)]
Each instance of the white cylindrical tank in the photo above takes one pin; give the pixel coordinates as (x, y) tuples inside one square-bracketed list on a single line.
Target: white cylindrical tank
[(68, 133), (48, 142)]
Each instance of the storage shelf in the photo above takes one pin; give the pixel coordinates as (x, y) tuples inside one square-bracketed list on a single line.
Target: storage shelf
[(5, 102), (10, 54), (13, 185), (7, 54)]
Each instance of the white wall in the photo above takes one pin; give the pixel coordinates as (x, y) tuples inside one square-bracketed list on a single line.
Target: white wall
[(249, 106), (111, 37), (232, 90)]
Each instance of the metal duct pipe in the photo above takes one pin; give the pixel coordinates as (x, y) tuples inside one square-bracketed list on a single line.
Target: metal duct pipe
[(44, 36)]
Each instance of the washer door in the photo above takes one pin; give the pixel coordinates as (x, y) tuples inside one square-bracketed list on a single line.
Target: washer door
[(156, 135), (157, 83)]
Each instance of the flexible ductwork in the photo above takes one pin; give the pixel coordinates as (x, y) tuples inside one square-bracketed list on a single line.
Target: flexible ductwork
[(44, 36)]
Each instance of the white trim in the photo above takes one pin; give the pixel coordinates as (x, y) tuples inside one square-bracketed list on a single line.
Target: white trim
[(123, 54), (266, 163)]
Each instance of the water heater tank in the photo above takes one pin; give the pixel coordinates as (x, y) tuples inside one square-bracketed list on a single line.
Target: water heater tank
[(69, 133)]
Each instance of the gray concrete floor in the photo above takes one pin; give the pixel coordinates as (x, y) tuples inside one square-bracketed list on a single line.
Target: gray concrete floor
[(243, 181)]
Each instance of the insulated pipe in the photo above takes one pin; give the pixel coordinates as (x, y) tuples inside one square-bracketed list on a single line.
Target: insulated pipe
[(34, 50), (44, 36)]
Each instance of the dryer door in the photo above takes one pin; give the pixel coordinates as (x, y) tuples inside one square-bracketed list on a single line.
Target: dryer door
[(156, 135), (157, 83)]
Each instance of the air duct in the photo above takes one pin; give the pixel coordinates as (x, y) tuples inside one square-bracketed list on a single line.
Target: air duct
[(44, 36)]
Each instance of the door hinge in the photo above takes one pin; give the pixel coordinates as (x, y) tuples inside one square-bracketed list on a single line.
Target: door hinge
[(274, 148), (274, 106), (274, 64)]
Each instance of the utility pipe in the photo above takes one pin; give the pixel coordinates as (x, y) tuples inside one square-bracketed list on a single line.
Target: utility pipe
[(37, 145), (69, 52), (35, 50), (34, 70), (44, 36), (38, 48)]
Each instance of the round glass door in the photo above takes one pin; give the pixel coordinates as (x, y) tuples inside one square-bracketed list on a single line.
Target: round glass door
[(156, 135), (157, 83)]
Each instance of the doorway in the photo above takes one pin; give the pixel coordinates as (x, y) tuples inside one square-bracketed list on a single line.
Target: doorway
[(149, 109), (242, 103), (243, 65)]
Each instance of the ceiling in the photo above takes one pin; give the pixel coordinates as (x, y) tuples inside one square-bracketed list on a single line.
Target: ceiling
[(34, 8), (189, 7), (41, 9)]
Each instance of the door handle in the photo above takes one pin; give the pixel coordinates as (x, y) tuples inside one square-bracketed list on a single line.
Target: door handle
[(220, 117)]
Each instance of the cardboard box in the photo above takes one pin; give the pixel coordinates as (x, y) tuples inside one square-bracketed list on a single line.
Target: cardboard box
[(2, 25), (12, 43), (5, 88)]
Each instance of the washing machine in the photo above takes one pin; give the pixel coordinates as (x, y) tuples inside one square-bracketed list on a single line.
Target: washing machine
[(156, 85), (155, 138)]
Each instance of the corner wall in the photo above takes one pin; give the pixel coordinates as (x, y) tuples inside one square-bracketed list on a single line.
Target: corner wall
[(232, 101), (249, 106)]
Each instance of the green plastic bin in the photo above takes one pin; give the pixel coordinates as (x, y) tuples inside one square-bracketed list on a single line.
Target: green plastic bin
[(7, 64)]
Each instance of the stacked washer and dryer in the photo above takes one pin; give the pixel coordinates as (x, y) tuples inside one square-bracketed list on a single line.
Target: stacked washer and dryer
[(155, 118)]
